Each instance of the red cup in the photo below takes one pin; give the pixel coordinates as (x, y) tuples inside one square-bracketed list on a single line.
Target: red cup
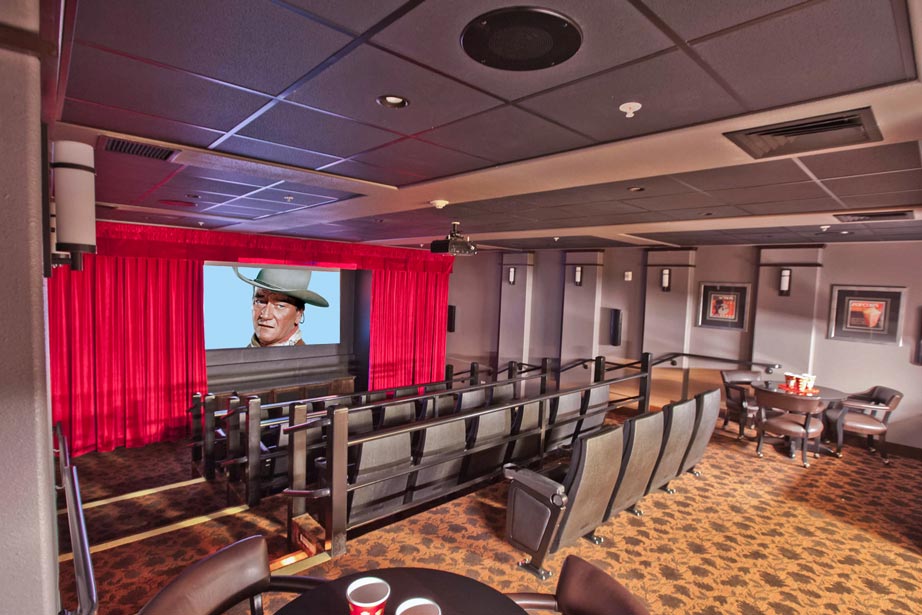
[(367, 596)]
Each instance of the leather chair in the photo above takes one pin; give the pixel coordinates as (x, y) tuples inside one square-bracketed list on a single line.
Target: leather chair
[(867, 413), (583, 589), (740, 398), (800, 423), (213, 585), (543, 515)]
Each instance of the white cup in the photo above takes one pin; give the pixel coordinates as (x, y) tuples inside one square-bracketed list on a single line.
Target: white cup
[(418, 606)]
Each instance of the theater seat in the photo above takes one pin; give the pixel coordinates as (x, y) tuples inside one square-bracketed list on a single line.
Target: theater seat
[(223, 579), (583, 589)]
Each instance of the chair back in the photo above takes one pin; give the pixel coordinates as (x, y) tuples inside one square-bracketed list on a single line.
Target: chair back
[(216, 583), (886, 396), (737, 396), (789, 403), (589, 483), (680, 427), (584, 589), (643, 442)]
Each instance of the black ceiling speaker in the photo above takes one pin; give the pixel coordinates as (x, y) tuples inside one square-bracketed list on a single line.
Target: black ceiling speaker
[(521, 38)]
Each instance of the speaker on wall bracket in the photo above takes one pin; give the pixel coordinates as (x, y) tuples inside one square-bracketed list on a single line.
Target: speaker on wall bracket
[(451, 319), (614, 327)]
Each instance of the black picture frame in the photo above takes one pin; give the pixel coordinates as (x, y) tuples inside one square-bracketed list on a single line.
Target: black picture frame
[(724, 305), (869, 314)]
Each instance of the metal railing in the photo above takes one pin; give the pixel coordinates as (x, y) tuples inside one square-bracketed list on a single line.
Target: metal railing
[(87, 600)]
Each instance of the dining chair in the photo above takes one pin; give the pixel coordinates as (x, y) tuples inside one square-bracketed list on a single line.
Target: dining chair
[(740, 399), (583, 589), (866, 413), (225, 578), (801, 421)]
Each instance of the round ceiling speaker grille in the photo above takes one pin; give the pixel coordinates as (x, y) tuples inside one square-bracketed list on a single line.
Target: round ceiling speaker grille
[(521, 38)]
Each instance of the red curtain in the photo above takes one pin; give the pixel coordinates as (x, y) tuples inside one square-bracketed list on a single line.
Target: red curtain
[(127, 350), (409, 310)]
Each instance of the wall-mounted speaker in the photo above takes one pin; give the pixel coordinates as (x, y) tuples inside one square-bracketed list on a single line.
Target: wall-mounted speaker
[(451, 319), (614, 327)]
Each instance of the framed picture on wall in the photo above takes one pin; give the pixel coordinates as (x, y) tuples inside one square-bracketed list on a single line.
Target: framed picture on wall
[(871, 314), (724, 305)]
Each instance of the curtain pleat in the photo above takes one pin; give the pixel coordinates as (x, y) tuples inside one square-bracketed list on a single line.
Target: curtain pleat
[(127, 350)]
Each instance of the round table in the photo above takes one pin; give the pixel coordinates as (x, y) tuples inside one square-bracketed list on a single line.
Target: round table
[(827, 394), (455, 594)]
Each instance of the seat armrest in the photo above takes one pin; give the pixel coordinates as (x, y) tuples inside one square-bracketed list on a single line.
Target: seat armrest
[(534, 601), (855, 404), (285, 583), (541, 486)]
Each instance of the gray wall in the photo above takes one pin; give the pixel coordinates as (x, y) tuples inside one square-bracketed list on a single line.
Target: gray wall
[(627, 296), (547, 305), (474, 291), (28, 566)]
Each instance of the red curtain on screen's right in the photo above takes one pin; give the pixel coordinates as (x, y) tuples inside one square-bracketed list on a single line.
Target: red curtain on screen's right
[(409, 312)]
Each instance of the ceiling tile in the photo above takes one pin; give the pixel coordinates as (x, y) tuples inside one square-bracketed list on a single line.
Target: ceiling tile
[(768, 194), (794, 206), (117, 81), (357, 16), (745, 175), (119, 120), (306, 188), (878, 159), (673, 89), (318, 132), (843, 45), (272, 152), (148, 217), (704, 212), (232, 176), (896, 181), (506, 134), (284, 197), (431, 32), (693, 19), (418, 158), (223, 39), (372, 173), (675, 201), (890, 199), (351, 86), (579, 242)]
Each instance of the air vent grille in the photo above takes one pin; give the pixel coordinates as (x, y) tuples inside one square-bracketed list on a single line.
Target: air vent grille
[(876, 216), (143, 150), (809, 134)]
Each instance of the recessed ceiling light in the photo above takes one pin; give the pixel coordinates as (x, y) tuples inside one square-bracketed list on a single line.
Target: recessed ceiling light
[(636, 189), (392, 101), (556, 238), (288, 198), (844, 232)]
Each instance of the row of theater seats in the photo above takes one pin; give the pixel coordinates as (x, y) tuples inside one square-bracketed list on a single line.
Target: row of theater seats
[(454, 439), (610, 470)]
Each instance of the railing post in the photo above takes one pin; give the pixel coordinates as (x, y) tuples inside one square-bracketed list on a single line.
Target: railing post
[(234, 448), (337, 457), (449, 374), (545, 371), (510, 370), (253, 465), (598, 372), (297, 466), (208, 463), (646, 367), (196, 432), (475, 373)]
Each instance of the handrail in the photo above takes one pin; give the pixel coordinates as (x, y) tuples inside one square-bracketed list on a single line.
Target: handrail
[(672, 358), (519, 365), (611, 366), (87, 598), (575, 363)]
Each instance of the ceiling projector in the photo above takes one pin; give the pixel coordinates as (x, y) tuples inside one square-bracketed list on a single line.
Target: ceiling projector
[(454, 243)]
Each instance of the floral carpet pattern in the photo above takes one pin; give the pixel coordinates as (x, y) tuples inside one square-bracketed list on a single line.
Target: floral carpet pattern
[(748, 536)]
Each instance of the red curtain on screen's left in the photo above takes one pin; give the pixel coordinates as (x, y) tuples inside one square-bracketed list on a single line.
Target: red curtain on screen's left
[(127, 351)]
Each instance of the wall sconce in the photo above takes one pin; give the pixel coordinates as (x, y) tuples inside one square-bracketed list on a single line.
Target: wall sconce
[(578, 275), (665, 280), (784, 283), (74, 223), (511, 277)]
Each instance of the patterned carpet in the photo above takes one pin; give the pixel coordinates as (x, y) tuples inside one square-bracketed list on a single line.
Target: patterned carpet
[(748, 536)]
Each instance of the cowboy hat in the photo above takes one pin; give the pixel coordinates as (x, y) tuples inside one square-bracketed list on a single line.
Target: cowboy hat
[(291, 282)]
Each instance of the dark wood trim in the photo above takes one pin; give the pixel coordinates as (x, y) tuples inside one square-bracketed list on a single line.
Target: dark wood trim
[(793, 246), (24, 41), (671, 265), (790, 264), (667, 249)]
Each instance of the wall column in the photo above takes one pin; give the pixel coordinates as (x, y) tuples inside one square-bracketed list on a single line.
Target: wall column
[(515, 308), (668, 315), (785, 326), (582, 310), (29, 565)]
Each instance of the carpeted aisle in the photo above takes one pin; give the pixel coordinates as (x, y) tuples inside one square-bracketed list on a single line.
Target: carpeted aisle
[(749, 536)]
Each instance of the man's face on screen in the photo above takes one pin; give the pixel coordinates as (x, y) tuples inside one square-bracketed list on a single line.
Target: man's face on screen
[(275, 318)]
